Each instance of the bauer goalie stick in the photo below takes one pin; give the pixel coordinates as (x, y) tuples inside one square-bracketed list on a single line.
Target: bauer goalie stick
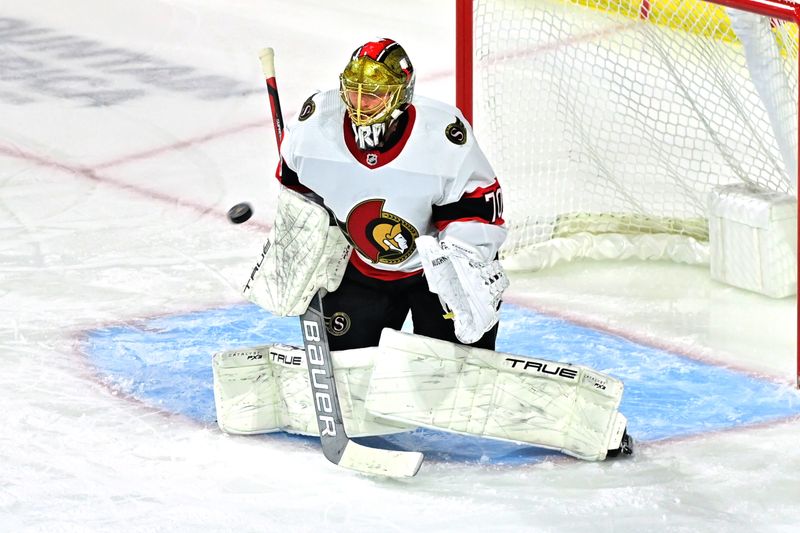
[(336, 445)]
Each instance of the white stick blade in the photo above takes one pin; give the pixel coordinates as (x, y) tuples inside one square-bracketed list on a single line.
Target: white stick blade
[(381, 462)]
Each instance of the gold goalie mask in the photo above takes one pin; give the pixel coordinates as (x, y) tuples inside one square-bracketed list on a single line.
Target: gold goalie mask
[(378, 80)]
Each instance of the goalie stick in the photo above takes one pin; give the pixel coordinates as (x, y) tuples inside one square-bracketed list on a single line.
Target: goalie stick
[(336, 445)]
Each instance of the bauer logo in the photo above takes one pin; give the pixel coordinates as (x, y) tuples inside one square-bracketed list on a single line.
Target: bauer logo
[(320, 380), (542, 367)]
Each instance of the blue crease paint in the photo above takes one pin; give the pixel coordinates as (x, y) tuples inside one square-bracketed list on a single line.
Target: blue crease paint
[(166, 363)]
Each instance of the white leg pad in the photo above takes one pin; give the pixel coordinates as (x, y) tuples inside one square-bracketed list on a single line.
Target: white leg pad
[(265, 389), (438, 384)]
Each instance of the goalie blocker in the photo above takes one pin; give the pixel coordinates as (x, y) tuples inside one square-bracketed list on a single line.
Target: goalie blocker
[(411, 381), (469, 287)]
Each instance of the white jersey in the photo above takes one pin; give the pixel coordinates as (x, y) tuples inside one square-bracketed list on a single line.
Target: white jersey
[(433, 179)]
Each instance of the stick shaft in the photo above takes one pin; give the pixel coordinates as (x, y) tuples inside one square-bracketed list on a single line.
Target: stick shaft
[(267, 57), (323, 385)]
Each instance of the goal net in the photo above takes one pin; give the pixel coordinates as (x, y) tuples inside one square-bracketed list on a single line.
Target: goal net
[(609, 122)]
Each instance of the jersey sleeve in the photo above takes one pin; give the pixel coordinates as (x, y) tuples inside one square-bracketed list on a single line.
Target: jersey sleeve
[(289, 178), (286, 173), (471, 208)]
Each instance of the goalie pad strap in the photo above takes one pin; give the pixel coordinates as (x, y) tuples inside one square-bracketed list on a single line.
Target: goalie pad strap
[(303, 254)]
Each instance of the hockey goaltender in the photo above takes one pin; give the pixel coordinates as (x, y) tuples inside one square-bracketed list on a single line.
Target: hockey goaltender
[(389, 206)]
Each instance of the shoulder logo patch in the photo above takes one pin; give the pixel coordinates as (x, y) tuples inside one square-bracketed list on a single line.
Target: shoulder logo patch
[(308, 108), (338, 324), (456, 132)]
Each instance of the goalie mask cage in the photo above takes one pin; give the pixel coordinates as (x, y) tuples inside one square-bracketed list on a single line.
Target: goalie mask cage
[(611, 121)]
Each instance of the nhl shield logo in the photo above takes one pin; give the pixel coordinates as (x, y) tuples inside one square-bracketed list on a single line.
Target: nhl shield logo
[(372, 159)]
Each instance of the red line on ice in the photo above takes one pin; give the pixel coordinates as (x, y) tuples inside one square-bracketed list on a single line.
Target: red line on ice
[(146, 154)]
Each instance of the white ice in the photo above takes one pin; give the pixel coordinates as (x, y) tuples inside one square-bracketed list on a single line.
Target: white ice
[(115, 214)]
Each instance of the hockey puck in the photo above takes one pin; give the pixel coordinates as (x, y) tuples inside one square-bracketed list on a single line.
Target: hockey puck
[(240, 213)]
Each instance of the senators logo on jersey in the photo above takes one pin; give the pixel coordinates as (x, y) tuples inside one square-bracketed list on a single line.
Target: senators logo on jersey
[(378, 235)]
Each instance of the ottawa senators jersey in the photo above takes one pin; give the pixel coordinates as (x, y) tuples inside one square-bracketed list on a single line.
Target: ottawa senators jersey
[(431, 178)]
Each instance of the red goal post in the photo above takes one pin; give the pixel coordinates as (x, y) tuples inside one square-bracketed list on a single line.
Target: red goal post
[(616, 153)]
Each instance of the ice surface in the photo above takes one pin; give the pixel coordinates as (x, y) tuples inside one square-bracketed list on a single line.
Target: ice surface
[(114, 183)]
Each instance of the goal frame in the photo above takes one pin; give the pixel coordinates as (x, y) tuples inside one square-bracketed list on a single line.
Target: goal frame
[(784, 10)]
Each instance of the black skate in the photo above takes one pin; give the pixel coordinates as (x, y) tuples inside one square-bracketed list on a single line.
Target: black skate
[(625, 447)]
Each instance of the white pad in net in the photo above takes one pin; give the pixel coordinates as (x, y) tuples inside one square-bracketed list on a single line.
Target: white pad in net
[(442, 385), (470, 288), (303, 254)]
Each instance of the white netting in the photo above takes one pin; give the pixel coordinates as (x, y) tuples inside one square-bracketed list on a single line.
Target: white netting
[(606, 120)]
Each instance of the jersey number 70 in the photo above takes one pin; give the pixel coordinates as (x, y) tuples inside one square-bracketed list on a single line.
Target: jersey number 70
[(495, 198)]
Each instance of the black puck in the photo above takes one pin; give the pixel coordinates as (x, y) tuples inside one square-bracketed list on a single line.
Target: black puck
[(240, 213)]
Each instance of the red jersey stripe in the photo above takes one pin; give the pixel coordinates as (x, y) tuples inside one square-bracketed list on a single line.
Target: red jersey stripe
[(372, 272)]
